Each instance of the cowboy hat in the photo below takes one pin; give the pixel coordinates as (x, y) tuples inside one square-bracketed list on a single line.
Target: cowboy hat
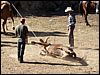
[(68, 9)]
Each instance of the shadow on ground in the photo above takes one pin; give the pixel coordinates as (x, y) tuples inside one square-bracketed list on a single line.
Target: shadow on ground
[(42, 34), (67, 58), (8, 42), (8, 33), (5, 43), (87, 48), (39, 34)]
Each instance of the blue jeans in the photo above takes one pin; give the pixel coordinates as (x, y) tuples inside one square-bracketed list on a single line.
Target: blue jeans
[(21, 48), (71, 35)]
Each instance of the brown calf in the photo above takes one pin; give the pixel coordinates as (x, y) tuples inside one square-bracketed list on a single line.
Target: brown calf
[(55, 49)]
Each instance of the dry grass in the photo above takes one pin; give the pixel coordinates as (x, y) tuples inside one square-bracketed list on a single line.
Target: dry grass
[(86, 45)]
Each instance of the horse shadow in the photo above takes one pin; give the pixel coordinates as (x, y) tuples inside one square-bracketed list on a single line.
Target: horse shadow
[(8, 42), (8, 33), (66, 58), (39, 34), (5, 43), (2, 45), (42, 34)]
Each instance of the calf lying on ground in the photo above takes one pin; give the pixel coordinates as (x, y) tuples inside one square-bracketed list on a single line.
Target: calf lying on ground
[(55, 50)]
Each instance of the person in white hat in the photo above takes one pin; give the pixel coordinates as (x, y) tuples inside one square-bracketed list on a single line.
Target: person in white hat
[(71, 26)]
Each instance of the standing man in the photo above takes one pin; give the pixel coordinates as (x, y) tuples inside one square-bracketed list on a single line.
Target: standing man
[(71, 26), (21, 32)]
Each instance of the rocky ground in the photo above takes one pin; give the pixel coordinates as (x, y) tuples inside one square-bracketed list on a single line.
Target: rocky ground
[(86, 47)]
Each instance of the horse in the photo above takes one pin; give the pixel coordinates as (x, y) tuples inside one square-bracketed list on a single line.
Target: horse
[(86, 7), (6, 12)]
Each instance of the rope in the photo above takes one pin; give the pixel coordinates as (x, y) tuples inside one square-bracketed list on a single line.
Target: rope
[(22, 17), (26, 23), (17, 10)]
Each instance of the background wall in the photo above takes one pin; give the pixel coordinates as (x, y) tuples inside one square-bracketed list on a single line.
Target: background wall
[(43, 8)]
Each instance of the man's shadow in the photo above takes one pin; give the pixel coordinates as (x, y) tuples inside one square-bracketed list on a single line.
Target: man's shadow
[(67, 58)]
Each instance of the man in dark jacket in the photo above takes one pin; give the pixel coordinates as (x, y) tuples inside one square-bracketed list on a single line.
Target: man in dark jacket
[(21, 32)]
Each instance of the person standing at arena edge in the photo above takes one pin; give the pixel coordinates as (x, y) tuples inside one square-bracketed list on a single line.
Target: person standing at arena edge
[(71, 26), (21, 32)]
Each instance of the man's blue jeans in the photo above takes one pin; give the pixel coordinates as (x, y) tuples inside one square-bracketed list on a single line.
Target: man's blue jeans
[(21, 48)]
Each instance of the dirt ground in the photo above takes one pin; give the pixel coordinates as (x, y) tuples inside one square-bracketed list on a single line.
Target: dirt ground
[(86, 47)]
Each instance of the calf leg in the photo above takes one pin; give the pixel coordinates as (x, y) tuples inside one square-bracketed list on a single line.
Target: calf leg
[(43, 53)]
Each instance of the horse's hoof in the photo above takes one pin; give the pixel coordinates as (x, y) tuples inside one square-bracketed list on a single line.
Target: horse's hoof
[(13, 28), (4, 32), (88, 25), (6, 28)]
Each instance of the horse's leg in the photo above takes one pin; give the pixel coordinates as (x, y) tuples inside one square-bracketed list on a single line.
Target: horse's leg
[(6, 26), (13, 27), (3, 25), (85, 14), (86, 21)]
